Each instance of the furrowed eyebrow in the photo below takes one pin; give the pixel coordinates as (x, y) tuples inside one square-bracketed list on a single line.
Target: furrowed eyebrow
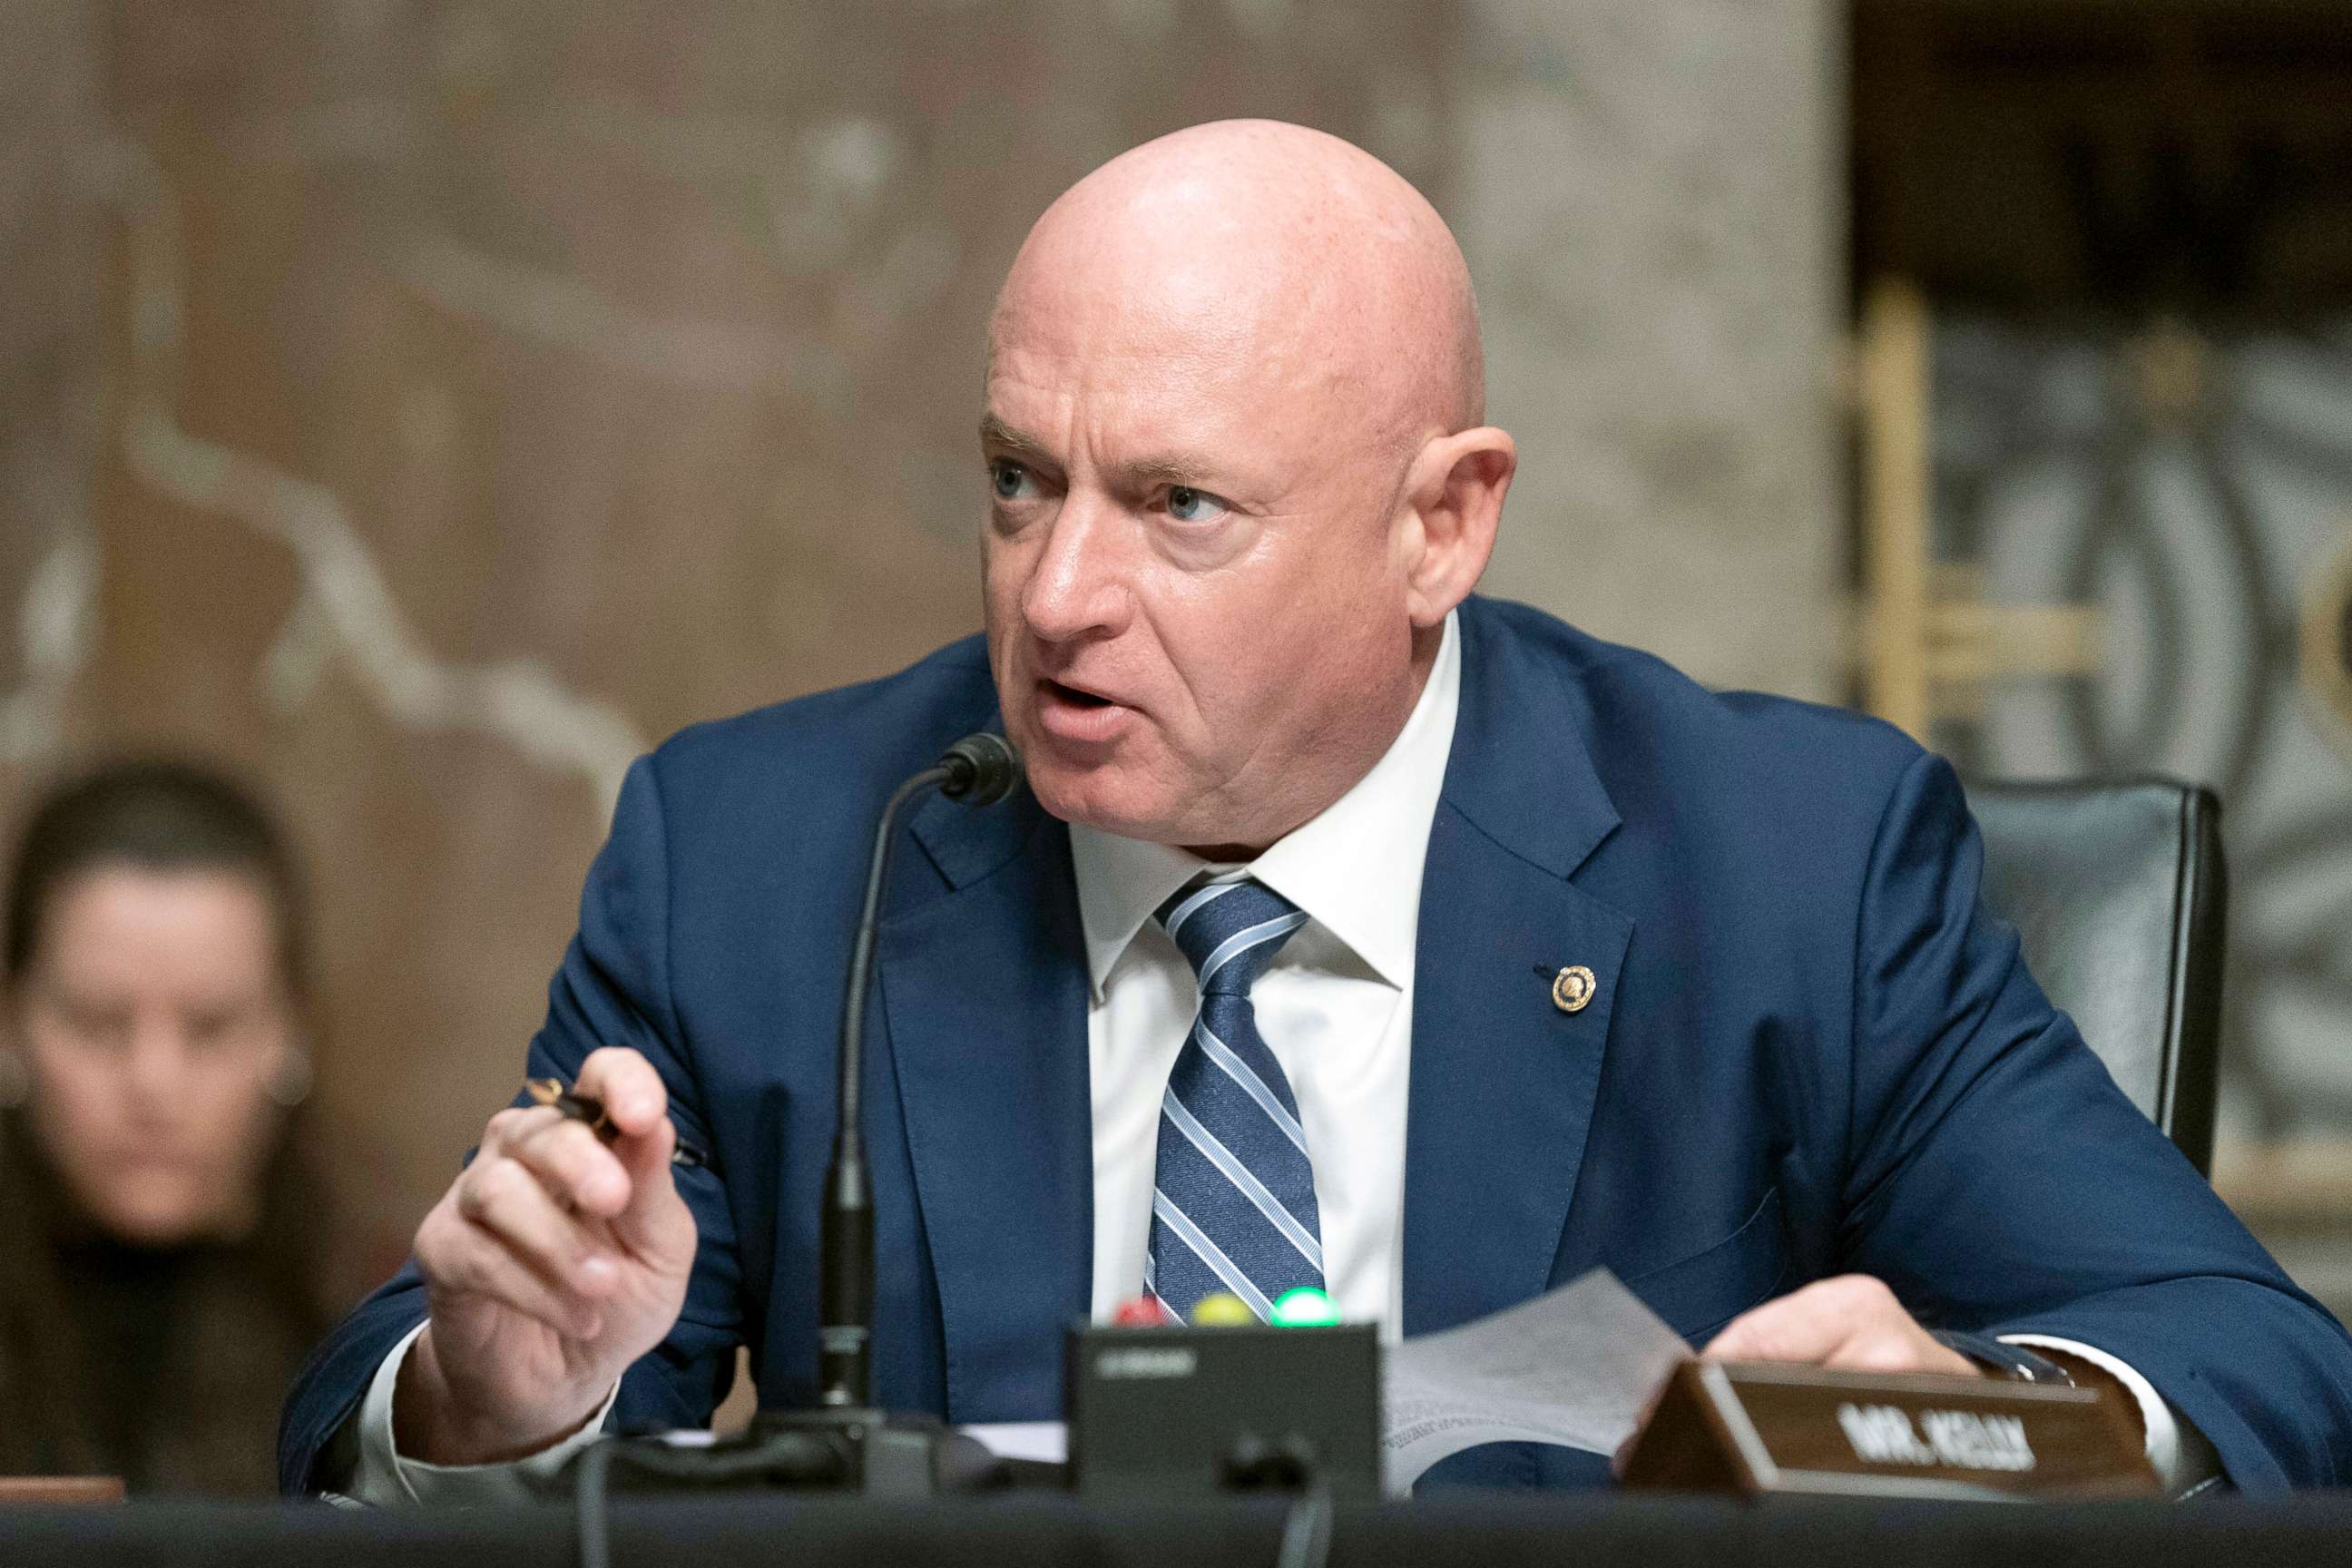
[(1165, 472), (1161, 469), (996, 433)]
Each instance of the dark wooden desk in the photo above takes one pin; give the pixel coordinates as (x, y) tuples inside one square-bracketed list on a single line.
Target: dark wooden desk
[(1488, 1530)]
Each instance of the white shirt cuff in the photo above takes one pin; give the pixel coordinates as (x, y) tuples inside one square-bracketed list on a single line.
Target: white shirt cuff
[(2163, 1428), (387, 1479)]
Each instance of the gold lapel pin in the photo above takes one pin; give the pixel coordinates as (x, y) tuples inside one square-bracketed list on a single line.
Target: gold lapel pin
[(1572, 988)]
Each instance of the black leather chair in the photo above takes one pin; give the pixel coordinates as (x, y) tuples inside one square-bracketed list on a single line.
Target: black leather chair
[(2117, 890)]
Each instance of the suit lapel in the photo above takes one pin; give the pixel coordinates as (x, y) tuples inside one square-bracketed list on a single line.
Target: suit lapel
[(984, 990), (1502, 1080)]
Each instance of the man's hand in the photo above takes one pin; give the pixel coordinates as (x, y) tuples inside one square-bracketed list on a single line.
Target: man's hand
[(550, 1264), (1853, 1322)]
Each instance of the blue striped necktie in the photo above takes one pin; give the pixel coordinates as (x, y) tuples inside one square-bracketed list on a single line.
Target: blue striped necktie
[(1232, 1200)]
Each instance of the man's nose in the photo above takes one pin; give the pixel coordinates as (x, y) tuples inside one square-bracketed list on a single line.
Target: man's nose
[(1077, 586)]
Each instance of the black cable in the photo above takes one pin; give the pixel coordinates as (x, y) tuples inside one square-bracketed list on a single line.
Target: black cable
[(1307, 1531), (590, 1506), (778, 1460), (1291, 1466)]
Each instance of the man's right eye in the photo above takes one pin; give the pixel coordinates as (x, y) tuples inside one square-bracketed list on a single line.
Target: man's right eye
[(1011, 480)]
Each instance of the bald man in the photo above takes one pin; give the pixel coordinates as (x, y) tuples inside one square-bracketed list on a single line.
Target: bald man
[(1352, 931)]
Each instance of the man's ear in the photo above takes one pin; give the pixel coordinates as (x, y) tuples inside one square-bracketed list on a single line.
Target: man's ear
[(1455, 491)]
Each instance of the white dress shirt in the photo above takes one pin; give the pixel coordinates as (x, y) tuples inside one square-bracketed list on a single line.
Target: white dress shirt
[(1335, 1008)]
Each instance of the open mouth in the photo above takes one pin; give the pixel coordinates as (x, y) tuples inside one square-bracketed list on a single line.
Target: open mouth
[(1076, 697), (1082, 718)]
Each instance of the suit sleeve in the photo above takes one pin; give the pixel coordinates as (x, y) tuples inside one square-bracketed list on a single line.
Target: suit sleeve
[(2000, 1182), (612, 989)]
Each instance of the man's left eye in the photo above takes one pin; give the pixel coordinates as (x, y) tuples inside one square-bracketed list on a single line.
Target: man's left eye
[(1186, 504)]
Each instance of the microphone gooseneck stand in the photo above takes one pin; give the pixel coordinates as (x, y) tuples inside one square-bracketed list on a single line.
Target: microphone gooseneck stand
[(881, 1454), (845, 1443), (978, 770)]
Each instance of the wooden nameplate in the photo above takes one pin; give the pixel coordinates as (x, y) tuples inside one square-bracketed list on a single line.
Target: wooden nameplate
[(1759, 1429)]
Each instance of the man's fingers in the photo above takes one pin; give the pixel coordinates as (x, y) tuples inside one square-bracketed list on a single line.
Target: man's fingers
[(646, 1156), (649, 1223), (487, 1271), (1785, 1329), (506, 1201), (629, 1088), (1808, 1325), (573, 1163), (461, 1258), (638, 1105), (1878, 1351), (1852, 1323), (515, 1121)]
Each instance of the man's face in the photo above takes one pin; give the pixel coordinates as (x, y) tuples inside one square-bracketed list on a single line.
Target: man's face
[(1196, 607)]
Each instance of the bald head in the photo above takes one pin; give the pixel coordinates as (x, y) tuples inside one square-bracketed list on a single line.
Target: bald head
[(1237, 481), (1275, 246)]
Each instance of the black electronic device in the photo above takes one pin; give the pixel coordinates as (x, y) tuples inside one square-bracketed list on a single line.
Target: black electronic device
[(1184, 1412)]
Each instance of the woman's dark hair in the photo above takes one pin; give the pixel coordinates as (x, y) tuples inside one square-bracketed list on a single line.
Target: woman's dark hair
[(156, 815)]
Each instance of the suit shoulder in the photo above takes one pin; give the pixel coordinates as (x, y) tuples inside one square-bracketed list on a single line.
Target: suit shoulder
[(1648, 720)]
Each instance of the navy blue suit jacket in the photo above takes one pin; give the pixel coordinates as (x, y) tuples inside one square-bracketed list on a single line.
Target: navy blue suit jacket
[(1811, 1051)]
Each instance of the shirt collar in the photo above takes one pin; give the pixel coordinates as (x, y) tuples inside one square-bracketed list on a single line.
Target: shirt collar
[(1355, 867)]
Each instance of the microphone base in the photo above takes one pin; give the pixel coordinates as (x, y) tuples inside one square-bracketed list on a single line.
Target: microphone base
[(858, 1452), (873, 1453)]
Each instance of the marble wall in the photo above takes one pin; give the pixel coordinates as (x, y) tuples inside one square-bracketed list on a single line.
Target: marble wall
[(427, 406)]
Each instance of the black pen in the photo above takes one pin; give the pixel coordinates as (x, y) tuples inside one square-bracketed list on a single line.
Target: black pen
[(587, 1108)]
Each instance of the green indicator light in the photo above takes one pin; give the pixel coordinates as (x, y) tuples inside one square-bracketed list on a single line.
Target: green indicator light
[(1305, 1307)]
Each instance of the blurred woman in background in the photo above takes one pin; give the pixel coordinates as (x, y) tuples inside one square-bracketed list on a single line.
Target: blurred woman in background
[(161, 1242)]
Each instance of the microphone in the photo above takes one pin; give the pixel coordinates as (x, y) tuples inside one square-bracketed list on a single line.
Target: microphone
[(978, 770), (981, 769), (845, 1443)]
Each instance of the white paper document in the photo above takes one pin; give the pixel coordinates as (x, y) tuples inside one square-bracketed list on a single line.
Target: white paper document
[(1048, 1442), (1575, 1367)]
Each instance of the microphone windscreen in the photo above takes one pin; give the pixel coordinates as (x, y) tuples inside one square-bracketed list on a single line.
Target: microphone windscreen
[(981, 769)]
